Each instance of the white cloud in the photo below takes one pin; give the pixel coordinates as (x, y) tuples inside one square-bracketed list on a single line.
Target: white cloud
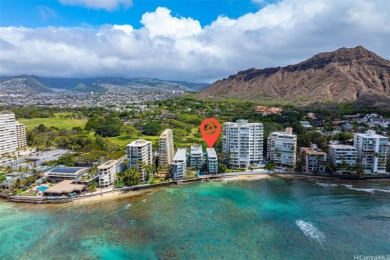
[(179, 48), (109, 5), (161, 23)]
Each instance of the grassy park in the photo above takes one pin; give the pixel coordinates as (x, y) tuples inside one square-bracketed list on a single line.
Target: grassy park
[(61, 121)]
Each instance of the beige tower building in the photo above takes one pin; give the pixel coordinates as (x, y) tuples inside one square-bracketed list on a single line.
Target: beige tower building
[(21, 135), (166, 150)]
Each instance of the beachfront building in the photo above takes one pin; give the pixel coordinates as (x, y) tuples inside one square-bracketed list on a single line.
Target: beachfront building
[(166, 150), (372, 151), (196, 157), (179, 164), (242, 143), (343, 155), (139, 154), (107, 173), (60, 173), (211, 160), (282, 148), (21, 135), (8, 137), (315, 159)]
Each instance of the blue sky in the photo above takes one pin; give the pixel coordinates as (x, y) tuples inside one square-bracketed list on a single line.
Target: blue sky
[(52, 13), (200, 41)]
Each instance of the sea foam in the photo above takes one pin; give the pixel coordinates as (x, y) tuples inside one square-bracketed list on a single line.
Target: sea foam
[(326, 184), (310, 231)]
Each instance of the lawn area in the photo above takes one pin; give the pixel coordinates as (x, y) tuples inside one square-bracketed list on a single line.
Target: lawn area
[(122, 140), (61, 121)]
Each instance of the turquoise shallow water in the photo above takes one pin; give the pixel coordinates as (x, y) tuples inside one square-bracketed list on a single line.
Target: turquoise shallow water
[(265, 219)]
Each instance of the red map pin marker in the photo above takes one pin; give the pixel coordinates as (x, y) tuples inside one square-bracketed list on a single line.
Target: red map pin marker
[(210, 130)]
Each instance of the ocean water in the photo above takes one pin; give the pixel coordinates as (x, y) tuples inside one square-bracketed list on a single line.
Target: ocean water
[(265, 219)]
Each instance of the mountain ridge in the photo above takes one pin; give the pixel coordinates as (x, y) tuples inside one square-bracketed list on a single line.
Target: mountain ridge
[(344, 75), (31, 84)]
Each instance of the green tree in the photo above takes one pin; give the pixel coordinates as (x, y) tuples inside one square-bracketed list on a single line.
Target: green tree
[(67, 159), (151, 128), (130, 177), (108, 130), (270, 166), (92, 187)]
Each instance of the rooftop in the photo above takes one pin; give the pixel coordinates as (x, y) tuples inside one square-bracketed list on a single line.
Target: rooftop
[(309, 150), (342, 146), (180, 155), (211, 152), (139, 143), (370, 134), (107, 164), (196, 149), (67, 170), (66, 186), (165, 133)]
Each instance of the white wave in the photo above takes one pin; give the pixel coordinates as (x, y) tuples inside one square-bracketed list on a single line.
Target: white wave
[(370, 190), (127, 206), (347, 185), (326, 184), (310, 231)]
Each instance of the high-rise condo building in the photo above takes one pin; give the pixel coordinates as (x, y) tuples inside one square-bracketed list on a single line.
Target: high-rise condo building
[(282, 148), (139, 155), (179, 164), (21, 135), (372, 151), (166, 150), (8, 136), (196, 157), (242, 143), (211, 160), (315, 159), (343, 154)]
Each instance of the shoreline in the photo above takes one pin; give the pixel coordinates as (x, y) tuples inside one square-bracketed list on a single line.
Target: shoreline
[(143, 189)]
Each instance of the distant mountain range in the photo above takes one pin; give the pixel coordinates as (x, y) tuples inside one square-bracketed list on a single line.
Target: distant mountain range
[(347, 74), (27, 84)]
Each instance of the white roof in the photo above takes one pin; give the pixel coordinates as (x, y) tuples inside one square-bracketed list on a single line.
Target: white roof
[(211, 152), (342, 146), (196, 149), (370, 134), (139, 143), (180, 155)]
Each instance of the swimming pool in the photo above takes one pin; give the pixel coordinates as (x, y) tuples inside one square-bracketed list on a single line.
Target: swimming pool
[(42, 188)]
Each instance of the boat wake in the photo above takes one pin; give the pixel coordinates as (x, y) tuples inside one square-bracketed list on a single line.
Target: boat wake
[(326, 184), (310, 231)]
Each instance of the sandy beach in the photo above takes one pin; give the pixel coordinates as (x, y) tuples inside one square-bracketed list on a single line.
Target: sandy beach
[(113, 196), (245, 177)]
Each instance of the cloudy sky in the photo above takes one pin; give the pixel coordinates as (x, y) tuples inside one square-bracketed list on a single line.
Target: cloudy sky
[(191, 40)]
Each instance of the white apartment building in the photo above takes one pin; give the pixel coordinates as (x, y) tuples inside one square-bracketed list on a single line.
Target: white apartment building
[(242, 143), (372, 151), (196, 157), (139, 153), (315, 159), (107, 173), (211, 160), (343, 154), (282, 148), (8, 136), (21, 135), (179, 164), (166, 150)]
